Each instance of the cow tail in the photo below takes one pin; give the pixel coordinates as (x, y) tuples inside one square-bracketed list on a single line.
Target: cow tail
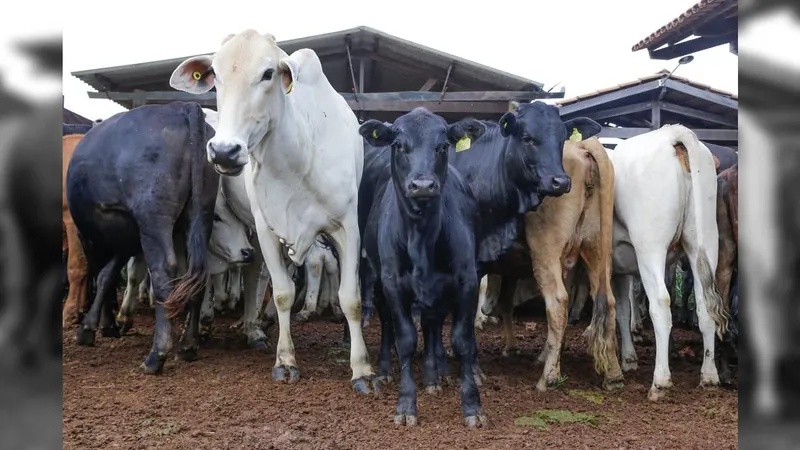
[(715, 305), (191, 284), (602, 334)]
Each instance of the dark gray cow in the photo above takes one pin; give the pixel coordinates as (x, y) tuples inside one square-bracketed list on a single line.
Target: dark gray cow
[(138, 178)]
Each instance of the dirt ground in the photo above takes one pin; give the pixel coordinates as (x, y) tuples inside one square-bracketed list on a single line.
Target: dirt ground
[(226, 399)]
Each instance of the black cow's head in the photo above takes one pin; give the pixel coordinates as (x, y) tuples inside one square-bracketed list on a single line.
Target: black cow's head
[(537, 134), (419, 142)]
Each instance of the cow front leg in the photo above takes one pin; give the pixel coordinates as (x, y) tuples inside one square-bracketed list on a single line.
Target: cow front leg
[(465, 347), (105, 279), (314, 266), (255, 278), (137, 272), (387, 336), (285, 369), (206, 313), (348, 243)]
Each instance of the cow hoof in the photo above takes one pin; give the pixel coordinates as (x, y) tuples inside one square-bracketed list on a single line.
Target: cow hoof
[(125, 325), (258, 344), (709, 383), (85, 337), (509, 351), (279, 373), (204, 337), (408, 420), (477, 421), (447, 380), (628, 366), (450, 353), (637, 339), (385, 379), (302, 317), (187, 354), (433, 390), (110, 332), (572, 321), (362, 385), (153, 364), (480, 377), (613, 385)]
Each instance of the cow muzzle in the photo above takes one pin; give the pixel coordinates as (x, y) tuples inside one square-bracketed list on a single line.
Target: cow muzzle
[(556, 186), (228, 158), (423, 188)]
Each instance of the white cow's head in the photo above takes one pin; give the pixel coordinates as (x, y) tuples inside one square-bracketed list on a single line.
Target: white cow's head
[(229, 235), (252, 76)]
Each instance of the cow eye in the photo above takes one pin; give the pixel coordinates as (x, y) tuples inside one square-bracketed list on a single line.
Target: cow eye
[(443, 147), (398, 146), (267, 75), (528, 139), (217, 218)]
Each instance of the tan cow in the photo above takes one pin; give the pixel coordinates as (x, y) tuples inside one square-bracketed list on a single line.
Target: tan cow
[(77, 267), (728, 225), (576, 225)]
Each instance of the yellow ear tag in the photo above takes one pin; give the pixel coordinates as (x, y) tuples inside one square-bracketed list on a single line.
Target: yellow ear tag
[(464, 144), (197, 75), (289, 89), (576, 135), (374, 134)]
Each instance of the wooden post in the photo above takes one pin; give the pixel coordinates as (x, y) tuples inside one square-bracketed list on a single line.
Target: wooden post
[(361, 75), (655, 116)]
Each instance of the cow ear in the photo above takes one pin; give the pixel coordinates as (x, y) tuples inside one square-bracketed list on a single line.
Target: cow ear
[(585, 126), (469, 128), (194, 75), (288, 69), (376, 133), (508, 124)]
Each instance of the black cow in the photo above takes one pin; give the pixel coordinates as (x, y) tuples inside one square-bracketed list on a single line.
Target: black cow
[(133, 181), (420, 239), (727, 156)]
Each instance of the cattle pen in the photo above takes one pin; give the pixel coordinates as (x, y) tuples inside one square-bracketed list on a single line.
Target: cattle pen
[(227, 398)]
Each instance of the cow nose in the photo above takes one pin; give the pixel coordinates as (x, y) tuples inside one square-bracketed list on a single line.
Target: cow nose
[(223, 152), (561, 185), (422, 187), (248, 254)]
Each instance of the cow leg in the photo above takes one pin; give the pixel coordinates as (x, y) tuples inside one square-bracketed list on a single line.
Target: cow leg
[(480, 317), (465, 347), (406, 345), (636, 314), (387, 335), (687, 287), (602, 335), (332, 286), (137, 271), (159, 254), (348, 246), (704, 300), (549, 278), (235, 287), (431, 342), (368, 291), (255, 279), (314, 266), (105, 284), (505, 302), (108, 323), (623, 293), (221, 293), (576, 284), (206, 312), (77, 274)]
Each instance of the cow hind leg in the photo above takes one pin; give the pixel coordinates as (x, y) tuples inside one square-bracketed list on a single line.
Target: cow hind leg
[(347, 241), (206, 313), (635, 294), (137, 272), (622, 287), (105, 285), (707, 298), (159, 254), (387, 336), (77, 275), (255, 278), (314, 266), (221, 293)]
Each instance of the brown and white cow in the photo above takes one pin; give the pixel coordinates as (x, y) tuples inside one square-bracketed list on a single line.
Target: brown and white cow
[(728, 226), (576, 225)]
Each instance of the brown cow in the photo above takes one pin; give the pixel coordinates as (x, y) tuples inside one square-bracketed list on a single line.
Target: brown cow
[(728, 225), (577, 224), (77, 267)]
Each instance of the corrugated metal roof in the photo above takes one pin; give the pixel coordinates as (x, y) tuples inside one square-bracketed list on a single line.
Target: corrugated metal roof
[(75, 118), (646, 79), (155, 75), (698, 14)]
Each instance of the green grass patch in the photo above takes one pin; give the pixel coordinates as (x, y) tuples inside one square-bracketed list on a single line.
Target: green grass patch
[(544, 417), (593, 397)]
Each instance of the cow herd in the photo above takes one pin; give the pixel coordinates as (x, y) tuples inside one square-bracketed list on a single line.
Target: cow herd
[(416, 220)]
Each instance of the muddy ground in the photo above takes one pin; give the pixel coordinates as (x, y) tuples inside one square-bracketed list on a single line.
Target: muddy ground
[(226, 399)]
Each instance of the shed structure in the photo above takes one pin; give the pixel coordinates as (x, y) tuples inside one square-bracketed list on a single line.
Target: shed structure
[(710, 22), (645, 104), (381, 77)]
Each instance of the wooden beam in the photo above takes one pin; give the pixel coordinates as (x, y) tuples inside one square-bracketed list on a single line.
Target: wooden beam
[(361, 76), (655, 116), (697, 114), (703, 135), (428, 85), (620, 111), (693, 46), (702, 94), (581, 105), (479, 96), (495, 107)]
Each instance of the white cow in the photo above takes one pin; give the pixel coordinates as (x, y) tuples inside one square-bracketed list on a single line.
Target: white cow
[(322, 282), (759, 259), (280, 114), (658, 206), (228, 243)]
